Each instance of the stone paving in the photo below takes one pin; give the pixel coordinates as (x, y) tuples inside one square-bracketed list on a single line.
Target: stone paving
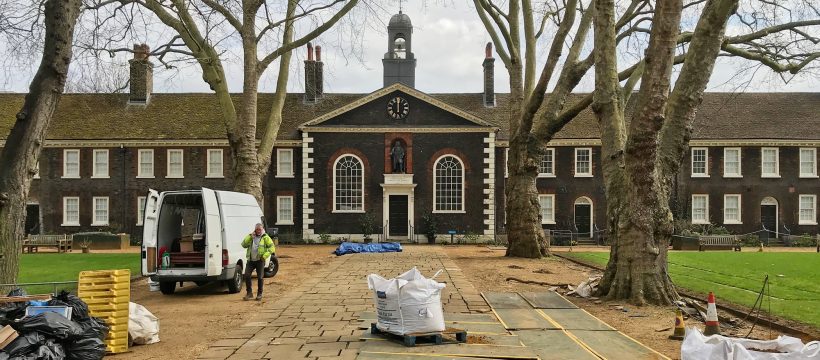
[(318, 319)]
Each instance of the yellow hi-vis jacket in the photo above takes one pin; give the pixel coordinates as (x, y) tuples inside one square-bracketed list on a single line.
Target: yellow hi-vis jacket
[(266, 247)]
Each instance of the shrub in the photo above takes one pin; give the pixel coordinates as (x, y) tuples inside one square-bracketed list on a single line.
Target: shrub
[(323, 237), (430, 224), (368, 225)]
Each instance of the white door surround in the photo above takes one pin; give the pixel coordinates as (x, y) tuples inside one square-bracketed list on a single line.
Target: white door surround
[(398, 184)]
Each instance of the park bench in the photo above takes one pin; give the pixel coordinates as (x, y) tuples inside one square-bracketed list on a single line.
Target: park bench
[(63, 243), (719, 242)]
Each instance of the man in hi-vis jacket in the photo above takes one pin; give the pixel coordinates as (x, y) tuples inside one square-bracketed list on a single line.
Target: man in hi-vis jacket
[(259, 248)]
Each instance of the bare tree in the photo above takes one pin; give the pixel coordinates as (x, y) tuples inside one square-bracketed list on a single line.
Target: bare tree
[(519, 31), (19, 157), (267, 32)]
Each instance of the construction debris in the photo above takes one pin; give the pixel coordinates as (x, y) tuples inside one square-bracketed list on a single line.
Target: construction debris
[(697, 346), (587, 287)]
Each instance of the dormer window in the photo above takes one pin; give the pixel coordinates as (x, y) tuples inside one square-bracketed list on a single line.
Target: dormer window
[(400, 47)]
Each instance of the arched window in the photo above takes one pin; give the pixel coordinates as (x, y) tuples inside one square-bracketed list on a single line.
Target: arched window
[(399, 47), (448, 182), (348, 184)]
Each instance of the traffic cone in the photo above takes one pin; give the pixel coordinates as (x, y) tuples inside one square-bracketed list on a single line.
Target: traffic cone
[(712, 324), (680, 329)]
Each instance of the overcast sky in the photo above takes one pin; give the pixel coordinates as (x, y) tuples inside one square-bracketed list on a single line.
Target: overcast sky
[(448, 41)]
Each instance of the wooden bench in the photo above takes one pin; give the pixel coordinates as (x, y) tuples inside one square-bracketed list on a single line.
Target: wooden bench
[(719, 242), (63, 243)]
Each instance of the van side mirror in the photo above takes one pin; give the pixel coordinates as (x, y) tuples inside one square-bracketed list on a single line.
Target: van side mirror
[(272, 231)]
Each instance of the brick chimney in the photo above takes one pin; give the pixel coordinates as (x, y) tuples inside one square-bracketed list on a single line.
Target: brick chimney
[(320, 78), (142, 75), (310, 76), (489, 76)]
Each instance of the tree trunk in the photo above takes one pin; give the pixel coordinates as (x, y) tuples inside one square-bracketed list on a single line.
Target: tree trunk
[(247, 173), (20, 155), (525, 236)]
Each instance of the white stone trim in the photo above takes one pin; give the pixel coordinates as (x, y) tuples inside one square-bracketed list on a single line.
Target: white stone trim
[(489, 184), (307, 186), (387, 129), (715, 142), (113, 143)]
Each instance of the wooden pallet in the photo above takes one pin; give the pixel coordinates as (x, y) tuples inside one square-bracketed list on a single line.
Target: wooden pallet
[(432, 338)]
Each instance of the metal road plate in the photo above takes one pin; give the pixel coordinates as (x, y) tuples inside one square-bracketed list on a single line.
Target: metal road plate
[(547, 300), (575, 319), (613, 345), (506, 300), (522, 319), (364, 355), (554, 345)]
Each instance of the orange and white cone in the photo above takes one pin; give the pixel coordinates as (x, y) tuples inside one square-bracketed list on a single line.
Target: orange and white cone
[(712, 324), (680, 330)]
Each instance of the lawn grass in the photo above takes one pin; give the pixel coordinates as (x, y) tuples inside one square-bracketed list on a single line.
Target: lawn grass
[(66, 267), (738, 277)]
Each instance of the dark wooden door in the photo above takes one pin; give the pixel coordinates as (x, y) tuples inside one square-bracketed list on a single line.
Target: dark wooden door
[(768, 216), (583, 220), (398, 215), (32, 219)]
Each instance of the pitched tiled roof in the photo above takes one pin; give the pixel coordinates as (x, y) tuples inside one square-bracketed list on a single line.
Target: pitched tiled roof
[(790, 116)]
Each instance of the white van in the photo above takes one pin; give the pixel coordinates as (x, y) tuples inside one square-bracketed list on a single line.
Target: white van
[(201, 232)]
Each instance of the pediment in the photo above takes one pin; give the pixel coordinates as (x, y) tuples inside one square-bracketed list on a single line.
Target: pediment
[(424, 111)]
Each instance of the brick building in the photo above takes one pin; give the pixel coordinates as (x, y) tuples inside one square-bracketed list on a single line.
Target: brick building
[(752, 163)]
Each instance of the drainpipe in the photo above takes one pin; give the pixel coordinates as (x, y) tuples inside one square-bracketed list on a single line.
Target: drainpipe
[(123, 172)]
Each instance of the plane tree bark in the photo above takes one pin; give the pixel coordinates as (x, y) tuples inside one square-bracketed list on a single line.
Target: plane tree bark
[(19, 157)]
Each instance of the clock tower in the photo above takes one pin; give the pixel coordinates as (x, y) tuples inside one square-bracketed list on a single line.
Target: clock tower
[(399, 61)]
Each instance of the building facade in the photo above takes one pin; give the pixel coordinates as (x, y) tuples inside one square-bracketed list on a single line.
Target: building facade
[(349, 165)]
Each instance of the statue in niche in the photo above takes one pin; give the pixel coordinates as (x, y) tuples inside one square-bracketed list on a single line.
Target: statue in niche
[(397, 157)]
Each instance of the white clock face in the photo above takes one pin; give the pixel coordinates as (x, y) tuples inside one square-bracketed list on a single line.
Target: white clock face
[(398, 108)]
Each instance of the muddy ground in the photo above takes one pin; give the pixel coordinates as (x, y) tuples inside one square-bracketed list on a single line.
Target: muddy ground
[(488, 270), (195, 317)]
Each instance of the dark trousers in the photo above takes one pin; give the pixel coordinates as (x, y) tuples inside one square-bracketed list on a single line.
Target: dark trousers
[(259, 266)]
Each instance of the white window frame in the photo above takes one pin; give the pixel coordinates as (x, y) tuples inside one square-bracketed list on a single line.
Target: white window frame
[(66, 175), (181, 163), (208, 170), (584, 174), (279, 172), (813, 209), (739, 173), (776, 173), (545, 220), (435, 183), (813, 173), (705, 220), (705, 173), (94, 221), (279, 219), (141, 209), (364, 170), (551, 173), (141, 155), (506, 162), (65, 211), (37, 169), (94, 173), (739, 219)]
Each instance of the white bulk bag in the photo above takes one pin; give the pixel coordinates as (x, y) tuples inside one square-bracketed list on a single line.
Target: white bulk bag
[(697, 346), (143, 326), (409, 303)]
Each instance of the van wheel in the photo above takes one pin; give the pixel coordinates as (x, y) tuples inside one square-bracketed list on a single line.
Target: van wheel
[(273, 267), (235, 284), (167, 287)]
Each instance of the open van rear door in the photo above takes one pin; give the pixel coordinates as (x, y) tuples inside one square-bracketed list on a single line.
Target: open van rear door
[(213, 233), (149, 233)]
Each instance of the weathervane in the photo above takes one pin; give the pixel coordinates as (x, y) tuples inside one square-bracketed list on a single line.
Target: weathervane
[(400, 6)]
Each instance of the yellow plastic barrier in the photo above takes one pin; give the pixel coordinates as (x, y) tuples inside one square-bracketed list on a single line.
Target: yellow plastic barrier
[(107, 293)]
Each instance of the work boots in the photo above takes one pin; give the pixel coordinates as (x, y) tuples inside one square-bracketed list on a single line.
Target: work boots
[(259, 296), (249, 296)]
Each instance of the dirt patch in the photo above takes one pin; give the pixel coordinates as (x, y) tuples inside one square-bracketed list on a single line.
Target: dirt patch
[(194, 317), (489, 271), (478, 339)]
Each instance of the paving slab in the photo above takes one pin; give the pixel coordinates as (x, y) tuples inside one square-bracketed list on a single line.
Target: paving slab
[(554, 345), (547, 300), (614, 345), (575, 319), (506, 300), (462, 350), (365, 355), (523, 319)]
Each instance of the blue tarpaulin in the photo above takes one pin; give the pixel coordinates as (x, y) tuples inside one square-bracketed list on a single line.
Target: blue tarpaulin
[(352, 248)]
